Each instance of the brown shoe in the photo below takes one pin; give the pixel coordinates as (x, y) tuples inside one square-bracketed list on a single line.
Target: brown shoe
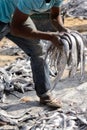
[(50, 100)]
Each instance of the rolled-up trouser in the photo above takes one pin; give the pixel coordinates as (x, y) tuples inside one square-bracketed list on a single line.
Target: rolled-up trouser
[(35, 50)]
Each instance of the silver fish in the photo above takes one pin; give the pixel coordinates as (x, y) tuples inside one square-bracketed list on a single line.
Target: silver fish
[(52, 56), (69, 60), (78, 46), (61, 64), (73, 56), (64, 40), (82, 55)]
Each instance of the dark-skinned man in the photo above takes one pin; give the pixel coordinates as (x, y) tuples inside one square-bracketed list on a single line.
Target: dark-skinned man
[(17, 25)]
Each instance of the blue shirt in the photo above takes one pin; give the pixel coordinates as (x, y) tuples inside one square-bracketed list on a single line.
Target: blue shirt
[(29, 7)]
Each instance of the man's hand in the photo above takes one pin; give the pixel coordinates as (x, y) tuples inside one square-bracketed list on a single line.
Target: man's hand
[(56, 40)]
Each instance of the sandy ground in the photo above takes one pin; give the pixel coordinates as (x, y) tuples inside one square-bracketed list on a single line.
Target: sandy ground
[(76, 24), (4, 59)]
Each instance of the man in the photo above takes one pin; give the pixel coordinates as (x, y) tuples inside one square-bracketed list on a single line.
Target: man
[(25, 34)]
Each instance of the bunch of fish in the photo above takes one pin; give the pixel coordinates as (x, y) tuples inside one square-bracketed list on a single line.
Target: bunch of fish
[(56, 120), (71, 54), (45, 120), (75, 8), (9, 51), (16, 77)]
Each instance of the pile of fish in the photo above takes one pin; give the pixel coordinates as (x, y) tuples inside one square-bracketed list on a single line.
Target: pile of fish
[(16, 77), (71, 54), (45, 120), (75, 8), (55, 120), (9, 51)]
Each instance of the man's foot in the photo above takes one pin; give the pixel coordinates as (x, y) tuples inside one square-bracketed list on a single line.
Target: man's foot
[(50, 100)]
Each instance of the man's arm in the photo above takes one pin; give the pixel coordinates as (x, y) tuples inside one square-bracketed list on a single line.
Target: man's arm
[(18, 28), (57, 19)]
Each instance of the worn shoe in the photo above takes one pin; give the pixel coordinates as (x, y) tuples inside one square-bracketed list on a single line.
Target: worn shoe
[(50, 100)]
